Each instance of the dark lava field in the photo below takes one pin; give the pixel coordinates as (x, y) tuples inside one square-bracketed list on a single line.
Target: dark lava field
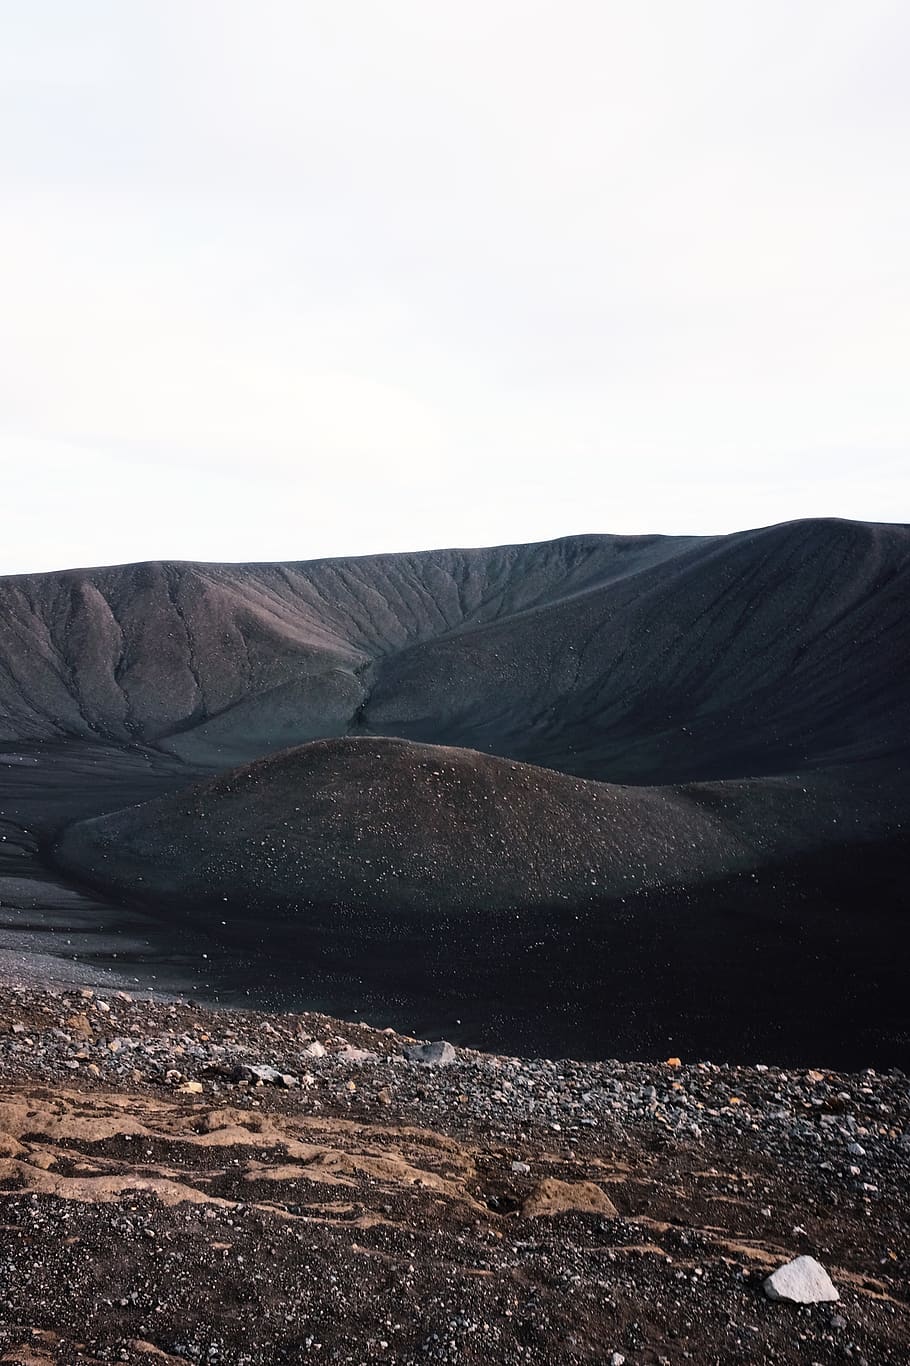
[(600, 797)]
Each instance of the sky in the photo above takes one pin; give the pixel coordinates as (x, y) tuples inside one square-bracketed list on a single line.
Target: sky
[(297, 278)]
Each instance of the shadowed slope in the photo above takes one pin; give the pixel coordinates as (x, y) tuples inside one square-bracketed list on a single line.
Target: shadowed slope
[(756, 653), (429, 885)]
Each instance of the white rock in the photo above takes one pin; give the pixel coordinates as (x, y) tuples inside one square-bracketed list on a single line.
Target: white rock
[(315, 1049), (804, 1281)]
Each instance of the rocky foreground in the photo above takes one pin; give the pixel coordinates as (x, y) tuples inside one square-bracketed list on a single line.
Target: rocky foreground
[(191, 1185)]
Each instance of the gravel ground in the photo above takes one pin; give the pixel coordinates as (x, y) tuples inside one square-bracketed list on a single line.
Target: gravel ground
[(188, 1184)]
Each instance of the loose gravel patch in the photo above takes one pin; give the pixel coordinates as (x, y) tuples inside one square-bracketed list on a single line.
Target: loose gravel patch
[(195, 1185)]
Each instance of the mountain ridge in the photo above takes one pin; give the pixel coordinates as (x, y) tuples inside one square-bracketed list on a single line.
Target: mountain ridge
[(187, 656)]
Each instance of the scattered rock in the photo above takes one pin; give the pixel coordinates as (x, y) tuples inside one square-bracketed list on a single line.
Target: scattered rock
[(549, 1110), (264, 1075)]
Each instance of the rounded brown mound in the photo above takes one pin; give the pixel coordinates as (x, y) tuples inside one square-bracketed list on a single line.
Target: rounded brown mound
[(379, 822)]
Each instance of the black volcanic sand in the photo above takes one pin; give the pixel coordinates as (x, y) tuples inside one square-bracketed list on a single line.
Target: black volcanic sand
[(653, 796)]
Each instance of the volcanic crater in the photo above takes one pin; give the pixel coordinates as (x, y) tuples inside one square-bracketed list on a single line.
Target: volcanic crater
[(595, 795)]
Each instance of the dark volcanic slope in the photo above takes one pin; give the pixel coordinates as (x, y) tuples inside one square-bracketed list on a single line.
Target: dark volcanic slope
[(632, 659), (744, 654), (384, 825), (231, 660), (748, 918)]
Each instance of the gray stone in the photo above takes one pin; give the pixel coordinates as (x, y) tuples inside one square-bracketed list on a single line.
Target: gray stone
[(436, 1053), (804, 1281), (267, 1076)]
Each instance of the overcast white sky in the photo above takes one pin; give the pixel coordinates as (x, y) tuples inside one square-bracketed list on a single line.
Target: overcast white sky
[(281, 278)]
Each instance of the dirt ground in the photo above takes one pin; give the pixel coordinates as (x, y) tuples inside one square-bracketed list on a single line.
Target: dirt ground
[(377, 1209)]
